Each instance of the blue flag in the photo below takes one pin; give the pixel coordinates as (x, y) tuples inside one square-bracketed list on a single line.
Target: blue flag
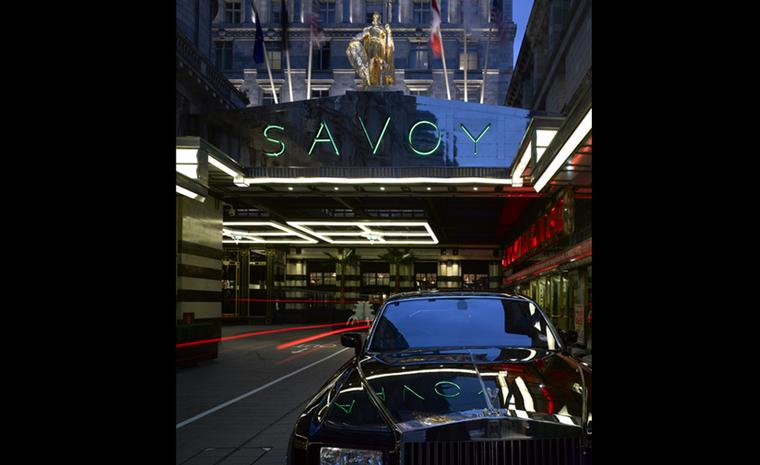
[(258, 46)]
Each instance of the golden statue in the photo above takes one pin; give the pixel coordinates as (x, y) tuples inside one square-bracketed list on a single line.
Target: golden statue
[(371, 54)]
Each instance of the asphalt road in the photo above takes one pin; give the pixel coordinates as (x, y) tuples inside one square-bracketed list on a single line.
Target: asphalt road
[(240, 408)]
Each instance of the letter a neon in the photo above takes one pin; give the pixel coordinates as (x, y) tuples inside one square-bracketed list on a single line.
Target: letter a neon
[(323, 125), (474, 140), (375, 146)]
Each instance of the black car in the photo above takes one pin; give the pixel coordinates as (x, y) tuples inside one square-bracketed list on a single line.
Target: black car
[(452, 378)]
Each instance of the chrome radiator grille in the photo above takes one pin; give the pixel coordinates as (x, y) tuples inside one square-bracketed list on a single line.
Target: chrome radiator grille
[(554, 451)]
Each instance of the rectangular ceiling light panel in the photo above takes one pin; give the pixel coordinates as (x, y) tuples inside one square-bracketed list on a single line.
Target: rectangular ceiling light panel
[(241, 232), (370, 232)]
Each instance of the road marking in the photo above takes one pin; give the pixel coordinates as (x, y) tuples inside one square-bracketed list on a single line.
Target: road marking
[(250, 393)]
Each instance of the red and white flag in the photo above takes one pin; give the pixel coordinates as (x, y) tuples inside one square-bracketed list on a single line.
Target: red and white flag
[(435, 28)]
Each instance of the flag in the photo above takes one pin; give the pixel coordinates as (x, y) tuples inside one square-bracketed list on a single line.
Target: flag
[(317, 34), (258, 46), (284, 24), (435, 28)]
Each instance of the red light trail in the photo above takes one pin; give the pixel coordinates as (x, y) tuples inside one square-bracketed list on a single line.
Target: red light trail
[(319, 336), (268, 331)]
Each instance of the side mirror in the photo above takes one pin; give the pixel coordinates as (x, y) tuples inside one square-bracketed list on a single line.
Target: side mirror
[(569, 337), (352, 340)]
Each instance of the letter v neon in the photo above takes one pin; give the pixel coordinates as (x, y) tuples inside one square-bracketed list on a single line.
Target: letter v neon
[(376, 146)]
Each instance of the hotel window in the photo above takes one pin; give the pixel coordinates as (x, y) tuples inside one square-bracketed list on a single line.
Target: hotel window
[(321, 58), (420, 92), (275, 59), (376, 279), (327, 11), (322, 278), (321, 273), (472, 59), (319, 93), (473, 93), (275, 12), (475, 281), (426, 275), (426, 280), (420, 57), (475, 275), (375, 274), (233, 11), (224, 55), (421, 12), (372, 7)]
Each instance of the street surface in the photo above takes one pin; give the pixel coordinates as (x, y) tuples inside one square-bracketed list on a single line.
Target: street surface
[(240, 408)]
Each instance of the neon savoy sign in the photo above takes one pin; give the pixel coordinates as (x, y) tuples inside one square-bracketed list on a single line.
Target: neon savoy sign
[(324, 136)]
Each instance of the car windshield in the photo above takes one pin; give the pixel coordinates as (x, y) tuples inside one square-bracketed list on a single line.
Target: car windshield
[(465, 322)]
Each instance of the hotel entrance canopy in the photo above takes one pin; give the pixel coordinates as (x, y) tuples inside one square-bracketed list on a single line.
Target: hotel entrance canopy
[(365, 158)]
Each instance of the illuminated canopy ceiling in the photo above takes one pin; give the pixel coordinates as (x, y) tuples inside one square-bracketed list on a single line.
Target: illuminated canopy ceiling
[(333, 232), (262, 232), (369, 232)]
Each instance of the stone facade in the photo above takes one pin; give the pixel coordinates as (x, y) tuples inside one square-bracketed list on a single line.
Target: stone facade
[(554, 65), (233, 44)]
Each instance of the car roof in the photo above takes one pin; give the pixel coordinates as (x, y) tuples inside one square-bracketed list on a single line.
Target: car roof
[(449, 294)]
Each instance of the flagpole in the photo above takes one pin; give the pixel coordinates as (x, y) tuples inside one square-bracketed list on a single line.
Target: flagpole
[(290, 82), (308, 74), (269, 72), (443, 59), (466, 64), (485, 64)]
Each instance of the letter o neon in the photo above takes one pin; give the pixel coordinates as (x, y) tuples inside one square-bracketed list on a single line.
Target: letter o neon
[(446, 382), (411, 131)]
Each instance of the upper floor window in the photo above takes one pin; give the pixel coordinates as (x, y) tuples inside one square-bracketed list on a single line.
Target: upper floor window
[(420, 59), (472, 60), (319, 93), (224, 55), (233, 11), (321, 58), (372, 7), (276, 11), (327, 11), (421, 12), (275, 58)]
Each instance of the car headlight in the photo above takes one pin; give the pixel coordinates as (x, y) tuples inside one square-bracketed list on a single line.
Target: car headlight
[(338, 456)]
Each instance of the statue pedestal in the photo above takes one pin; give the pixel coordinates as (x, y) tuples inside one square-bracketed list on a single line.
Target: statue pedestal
[(393, 88)]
